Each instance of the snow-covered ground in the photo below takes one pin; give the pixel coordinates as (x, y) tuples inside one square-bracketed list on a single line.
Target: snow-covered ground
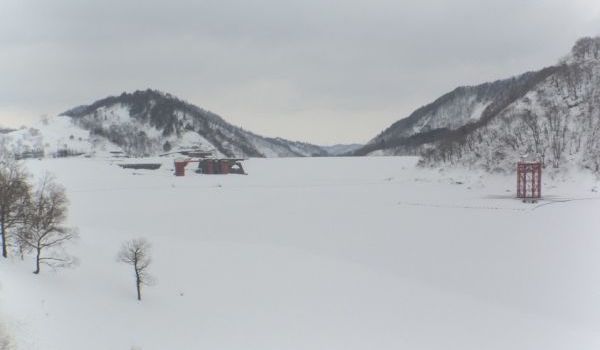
[(321, 253)]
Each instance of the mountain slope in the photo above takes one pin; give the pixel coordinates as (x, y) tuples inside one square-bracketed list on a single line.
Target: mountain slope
[(553, 113), (342, 149), (149, 122)]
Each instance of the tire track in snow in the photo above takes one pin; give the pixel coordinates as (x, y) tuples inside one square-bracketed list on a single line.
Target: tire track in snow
[(428, 205), (482, 207), (559, 201)]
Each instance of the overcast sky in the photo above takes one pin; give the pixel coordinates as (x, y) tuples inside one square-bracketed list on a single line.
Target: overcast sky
[(322, 71)]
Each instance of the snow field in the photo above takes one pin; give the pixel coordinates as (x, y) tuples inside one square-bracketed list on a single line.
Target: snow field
[(319, 253)]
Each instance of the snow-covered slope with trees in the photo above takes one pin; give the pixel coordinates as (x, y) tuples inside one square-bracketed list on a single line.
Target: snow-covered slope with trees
[(553, 113), (149, 122), (146, 123)]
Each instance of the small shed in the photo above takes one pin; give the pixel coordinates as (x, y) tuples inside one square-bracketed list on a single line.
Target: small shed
[(211, 166), (221, 166)]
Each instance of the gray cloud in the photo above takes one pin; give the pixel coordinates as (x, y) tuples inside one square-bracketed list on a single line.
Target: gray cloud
[(317, 70)]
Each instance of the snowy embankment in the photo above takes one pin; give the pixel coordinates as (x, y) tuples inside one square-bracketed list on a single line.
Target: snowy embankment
[(321, 253)]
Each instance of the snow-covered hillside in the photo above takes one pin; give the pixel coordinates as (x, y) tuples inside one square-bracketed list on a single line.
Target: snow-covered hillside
[(149, 122), (146, 123), (461, 106), (365, 253), (53, 135), (553, 113)]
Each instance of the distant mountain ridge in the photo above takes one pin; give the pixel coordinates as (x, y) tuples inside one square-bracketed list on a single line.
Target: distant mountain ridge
[(150, 122), (553, 113), (342, 149)]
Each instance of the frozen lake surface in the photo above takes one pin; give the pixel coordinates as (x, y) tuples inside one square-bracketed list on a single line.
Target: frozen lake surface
[(315, 253)]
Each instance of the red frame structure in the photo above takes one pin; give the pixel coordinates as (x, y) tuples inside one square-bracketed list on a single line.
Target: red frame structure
[(529, 180)]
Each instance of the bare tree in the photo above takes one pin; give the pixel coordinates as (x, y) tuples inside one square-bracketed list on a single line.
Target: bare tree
[(136, 253), (14, 195), (44, 231)]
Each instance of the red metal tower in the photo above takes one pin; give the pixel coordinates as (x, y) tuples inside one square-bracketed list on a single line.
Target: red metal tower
[(529, 180)]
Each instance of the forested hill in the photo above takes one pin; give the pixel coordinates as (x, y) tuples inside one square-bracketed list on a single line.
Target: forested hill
[(553, 113), (149, 122)]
